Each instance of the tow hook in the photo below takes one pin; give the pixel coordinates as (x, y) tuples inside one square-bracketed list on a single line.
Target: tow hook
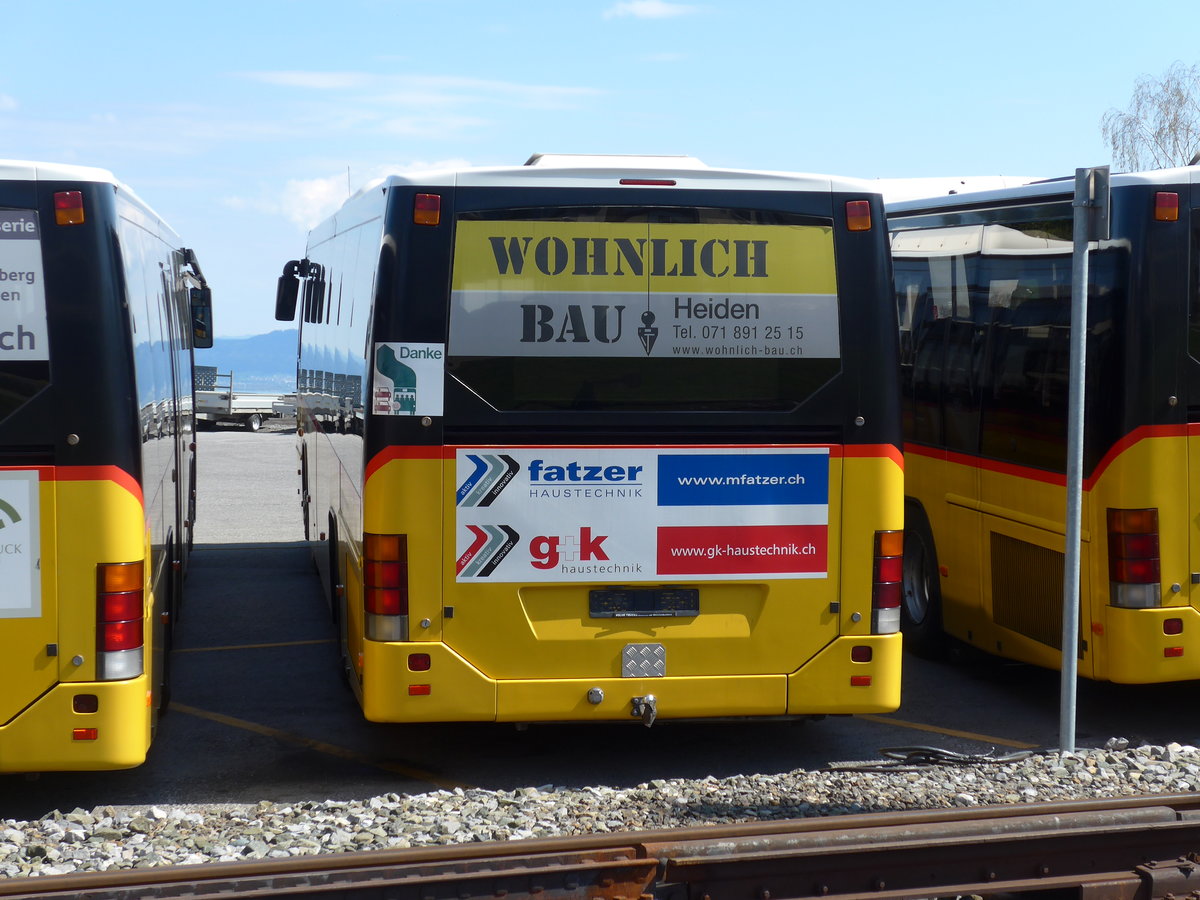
[(646, 709)]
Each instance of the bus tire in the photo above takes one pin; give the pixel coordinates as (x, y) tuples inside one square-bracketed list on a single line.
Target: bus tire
[(921, 598)]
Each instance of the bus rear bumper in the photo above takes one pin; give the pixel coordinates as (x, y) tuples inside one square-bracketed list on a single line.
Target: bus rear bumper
[(832, 683), (452, 690), (1141, 651), (43, 738)]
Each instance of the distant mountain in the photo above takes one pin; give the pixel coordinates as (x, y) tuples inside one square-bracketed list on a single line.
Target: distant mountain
[(262, 362)]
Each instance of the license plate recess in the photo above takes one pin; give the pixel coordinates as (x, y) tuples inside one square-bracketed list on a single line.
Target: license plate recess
[(624, 603)]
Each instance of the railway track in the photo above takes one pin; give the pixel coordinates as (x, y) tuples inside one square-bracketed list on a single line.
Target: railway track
[(1130, 849)]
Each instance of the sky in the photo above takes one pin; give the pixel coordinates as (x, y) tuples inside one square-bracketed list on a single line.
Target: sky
[(244, 123)]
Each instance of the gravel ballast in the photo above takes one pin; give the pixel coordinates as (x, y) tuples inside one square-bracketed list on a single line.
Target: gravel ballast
[(122, 837)]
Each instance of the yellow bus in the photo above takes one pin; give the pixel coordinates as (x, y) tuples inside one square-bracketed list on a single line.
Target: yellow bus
[(100, 307), (604, 439), (983, 288)]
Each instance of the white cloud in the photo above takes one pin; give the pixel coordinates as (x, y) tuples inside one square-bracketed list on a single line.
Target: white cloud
[(306, 201), (7, 103), (648, 9)]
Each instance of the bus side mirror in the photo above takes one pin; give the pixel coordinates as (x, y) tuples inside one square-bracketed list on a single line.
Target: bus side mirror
[(286, 291), (202, 333)]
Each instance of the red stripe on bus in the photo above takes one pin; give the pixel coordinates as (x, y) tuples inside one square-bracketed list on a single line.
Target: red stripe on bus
[(1058, 479), (866, 451), (114, 474), (388, 454)]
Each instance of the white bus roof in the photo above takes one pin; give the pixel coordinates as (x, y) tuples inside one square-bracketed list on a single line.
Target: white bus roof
[(570, 170), (25, 170), (1038, 189), (896, 190)]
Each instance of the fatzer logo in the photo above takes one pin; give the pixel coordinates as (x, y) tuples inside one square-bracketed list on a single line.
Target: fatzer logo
[(550, 550), (576, 472), (492, 474)]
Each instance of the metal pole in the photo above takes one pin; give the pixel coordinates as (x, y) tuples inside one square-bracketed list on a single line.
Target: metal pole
[(1084, 197)]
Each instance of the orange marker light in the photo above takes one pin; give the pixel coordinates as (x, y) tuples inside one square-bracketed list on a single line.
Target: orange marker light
[(427, 209), (84, 734), (858, 215), (1166, 206)]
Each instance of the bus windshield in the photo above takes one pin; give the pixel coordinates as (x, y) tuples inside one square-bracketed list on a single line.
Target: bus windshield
[(614, 308), (24, 342)]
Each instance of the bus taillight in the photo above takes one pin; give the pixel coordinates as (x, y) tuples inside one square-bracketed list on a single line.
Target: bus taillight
[(885, 589), (1133, 561), (385, 586), (120, 608)]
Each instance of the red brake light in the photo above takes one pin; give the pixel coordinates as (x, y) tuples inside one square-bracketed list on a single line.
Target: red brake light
[(120, 606), (1133, 556), (386, 574), (68, 208), (653, 182), (121, 636), (889, 569)]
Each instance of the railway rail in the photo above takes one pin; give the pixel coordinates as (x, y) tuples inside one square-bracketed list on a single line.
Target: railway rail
[(1136, 848)]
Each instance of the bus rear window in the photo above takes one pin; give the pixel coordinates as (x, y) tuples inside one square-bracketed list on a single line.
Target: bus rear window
[(622, 308), (24, 342)]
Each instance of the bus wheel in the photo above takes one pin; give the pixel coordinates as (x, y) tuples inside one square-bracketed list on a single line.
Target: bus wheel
[(921, 609), (253, 422)]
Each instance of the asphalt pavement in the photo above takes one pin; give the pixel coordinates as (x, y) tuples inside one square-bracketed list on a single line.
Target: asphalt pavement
[(259, 712)]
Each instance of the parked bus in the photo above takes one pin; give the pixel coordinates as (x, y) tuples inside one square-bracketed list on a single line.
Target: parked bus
[(100, 307), (604, 439), (983, 292)]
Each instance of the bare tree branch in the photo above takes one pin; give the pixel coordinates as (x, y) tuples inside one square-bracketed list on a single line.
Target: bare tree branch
[(1161, 128)]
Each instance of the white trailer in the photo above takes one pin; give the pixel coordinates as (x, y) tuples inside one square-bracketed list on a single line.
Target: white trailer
[(217, 401)]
